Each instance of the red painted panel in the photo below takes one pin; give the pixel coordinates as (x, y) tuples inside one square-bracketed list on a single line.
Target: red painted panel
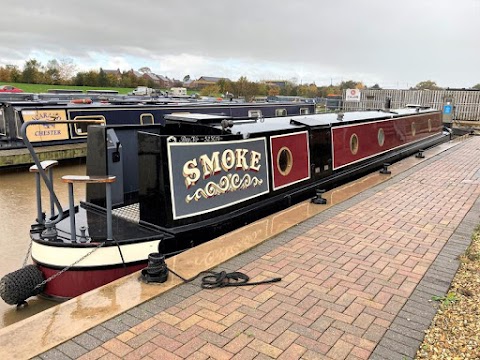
[(297, 143), (73, 283), (397, 132)]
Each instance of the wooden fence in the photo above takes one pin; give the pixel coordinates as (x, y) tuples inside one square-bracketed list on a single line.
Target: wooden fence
[(466, 103)]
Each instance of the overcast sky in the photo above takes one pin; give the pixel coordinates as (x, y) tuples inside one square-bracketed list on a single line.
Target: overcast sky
[(392, 43)]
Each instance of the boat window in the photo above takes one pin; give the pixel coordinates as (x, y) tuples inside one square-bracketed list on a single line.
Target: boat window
[(3, 126), (280, 112), (79, 130), (18, 124), (429, 125), (354, 144), (304, 111), (414, 129), (284, 161), (381, 137), (147, 119), (255, 113)]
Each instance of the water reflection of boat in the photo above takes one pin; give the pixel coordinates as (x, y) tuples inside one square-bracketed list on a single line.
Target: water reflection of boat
[(165, 188)]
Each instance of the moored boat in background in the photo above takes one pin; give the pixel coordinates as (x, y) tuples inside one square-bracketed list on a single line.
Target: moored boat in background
[(114, 110)]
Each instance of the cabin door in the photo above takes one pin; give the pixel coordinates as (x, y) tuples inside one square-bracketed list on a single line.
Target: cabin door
[(320, 152)]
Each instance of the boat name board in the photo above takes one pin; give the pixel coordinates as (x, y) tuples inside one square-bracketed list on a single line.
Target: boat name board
[(207, 176), (46, 132)]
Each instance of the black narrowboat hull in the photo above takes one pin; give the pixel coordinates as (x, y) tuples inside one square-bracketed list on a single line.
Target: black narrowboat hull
[(190, 182)]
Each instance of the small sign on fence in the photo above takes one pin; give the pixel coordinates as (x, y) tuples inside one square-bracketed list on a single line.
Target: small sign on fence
[(352, 95)]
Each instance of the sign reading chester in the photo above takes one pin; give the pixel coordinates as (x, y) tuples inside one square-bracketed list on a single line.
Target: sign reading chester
[(46, 132), (206, 176)]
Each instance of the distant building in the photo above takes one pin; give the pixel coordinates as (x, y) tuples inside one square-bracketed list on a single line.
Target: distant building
[(204, 81), (280, 83), (159, 80), (117, 74)]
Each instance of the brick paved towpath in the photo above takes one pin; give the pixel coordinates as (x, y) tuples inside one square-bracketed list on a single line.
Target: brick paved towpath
[(357, 281)]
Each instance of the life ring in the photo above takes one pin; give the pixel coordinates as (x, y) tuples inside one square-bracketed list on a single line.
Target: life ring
[(81, 101)]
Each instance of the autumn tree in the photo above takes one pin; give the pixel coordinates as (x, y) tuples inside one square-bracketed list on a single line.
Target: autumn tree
[(210, 90), (349, 84), (427, 85), (309, 91)]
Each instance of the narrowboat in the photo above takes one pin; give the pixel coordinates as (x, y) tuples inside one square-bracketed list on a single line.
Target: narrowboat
[(115, 110), (164, 188)]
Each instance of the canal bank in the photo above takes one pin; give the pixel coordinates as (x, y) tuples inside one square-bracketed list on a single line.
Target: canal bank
[(21, 157)]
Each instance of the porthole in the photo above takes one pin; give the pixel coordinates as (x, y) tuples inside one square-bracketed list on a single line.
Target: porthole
[(429, 125), (284, 161), (354, 144), (414, 129), (381, 137)]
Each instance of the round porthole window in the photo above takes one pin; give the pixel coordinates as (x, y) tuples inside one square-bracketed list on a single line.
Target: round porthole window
[(429, 125), (284, 161), (414, 129), (354, 144), (381, 137)]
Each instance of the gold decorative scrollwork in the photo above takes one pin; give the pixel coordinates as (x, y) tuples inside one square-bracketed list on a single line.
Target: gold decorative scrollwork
[(226, 184)]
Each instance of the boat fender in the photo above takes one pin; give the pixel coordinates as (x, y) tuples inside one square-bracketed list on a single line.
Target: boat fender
[(81, 101), (19, 285), (156, 270)]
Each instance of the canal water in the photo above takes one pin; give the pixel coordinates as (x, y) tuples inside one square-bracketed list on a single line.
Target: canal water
[(17, 213)]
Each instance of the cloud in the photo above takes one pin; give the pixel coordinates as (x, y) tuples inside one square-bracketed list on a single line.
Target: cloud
[(367, 40)]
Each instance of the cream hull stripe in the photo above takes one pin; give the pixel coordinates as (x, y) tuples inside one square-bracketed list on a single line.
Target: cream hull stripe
[(104, 256)]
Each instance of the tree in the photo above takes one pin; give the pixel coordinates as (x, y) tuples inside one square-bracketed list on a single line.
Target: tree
[(31, 71), (427, 85), (273, 90), (349, 84), (477, 87), (210, 90), (66, 70), (376, 87), (145, 70), (102, 78), (309, 91), (52, 72)]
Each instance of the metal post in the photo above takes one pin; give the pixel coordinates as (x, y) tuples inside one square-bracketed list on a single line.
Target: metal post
[(39, 199), (109, 211), (52, 205), (71, 212)]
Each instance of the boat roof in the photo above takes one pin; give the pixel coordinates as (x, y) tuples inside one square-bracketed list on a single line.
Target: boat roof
[(252, 126)]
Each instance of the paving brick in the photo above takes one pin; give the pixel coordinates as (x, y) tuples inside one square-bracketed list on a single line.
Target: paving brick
[(117, 347), (265, 348), (190, 347), (245, 354), (101, 333), (87, 341), (95, 354), (374, 333), (72, 349), (340, 350), (141, 352), (54, 354)]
